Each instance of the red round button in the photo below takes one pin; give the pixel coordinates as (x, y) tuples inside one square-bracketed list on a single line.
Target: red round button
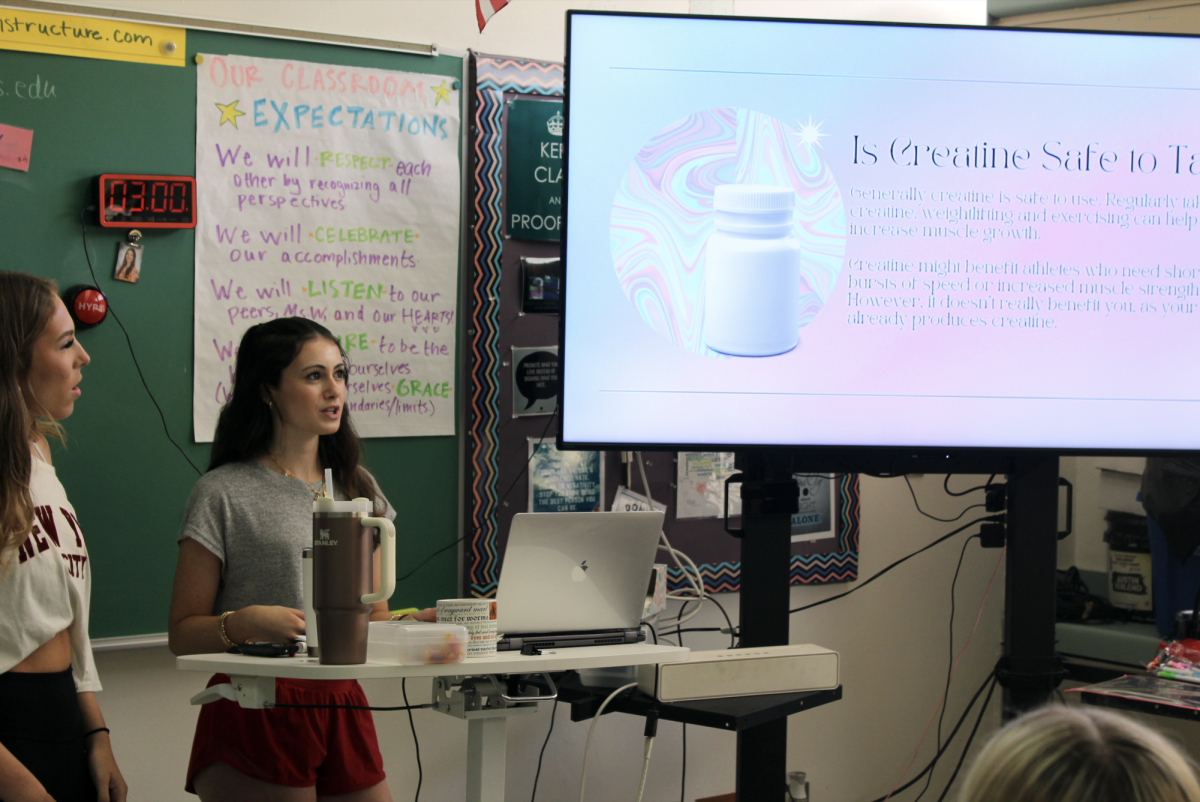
[(90, 307)]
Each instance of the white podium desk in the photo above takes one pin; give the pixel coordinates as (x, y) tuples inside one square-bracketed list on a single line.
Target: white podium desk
[(476, 690)]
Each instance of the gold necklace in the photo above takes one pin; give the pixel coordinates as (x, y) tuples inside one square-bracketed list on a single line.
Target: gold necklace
[(316, 493)]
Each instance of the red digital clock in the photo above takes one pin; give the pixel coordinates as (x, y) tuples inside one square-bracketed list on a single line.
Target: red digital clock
[(147, 201)]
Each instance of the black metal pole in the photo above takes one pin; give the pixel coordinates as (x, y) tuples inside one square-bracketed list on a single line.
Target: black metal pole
[(1030, 670), (763, 618)]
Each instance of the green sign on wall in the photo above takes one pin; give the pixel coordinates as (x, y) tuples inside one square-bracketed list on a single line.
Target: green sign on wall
[(533, 195)]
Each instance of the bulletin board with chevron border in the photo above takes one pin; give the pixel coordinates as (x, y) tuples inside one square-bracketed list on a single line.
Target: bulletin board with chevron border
[(496, 441)]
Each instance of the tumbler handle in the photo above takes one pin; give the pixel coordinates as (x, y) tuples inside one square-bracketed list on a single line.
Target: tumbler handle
[(387, 559)]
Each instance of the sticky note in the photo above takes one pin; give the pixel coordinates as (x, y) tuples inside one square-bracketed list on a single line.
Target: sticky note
[(15, 147)]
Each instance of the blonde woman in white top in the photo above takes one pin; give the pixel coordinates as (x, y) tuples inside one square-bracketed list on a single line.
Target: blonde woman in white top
[(53, 742)]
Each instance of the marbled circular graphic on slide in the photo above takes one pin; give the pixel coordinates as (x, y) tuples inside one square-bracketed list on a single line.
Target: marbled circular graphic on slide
[(662, 214)]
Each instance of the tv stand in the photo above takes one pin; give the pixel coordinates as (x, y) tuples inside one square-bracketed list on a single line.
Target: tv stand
[(770, 496), (1029, 669)]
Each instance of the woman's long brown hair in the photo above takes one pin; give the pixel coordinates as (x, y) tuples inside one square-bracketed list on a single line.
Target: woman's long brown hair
[(26, 303), (246, 424)]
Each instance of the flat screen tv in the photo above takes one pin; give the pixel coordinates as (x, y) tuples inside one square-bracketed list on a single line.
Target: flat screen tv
[(846, 236)]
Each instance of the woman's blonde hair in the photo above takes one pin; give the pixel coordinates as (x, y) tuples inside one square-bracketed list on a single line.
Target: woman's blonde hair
[(1065, 754), (26, 304)]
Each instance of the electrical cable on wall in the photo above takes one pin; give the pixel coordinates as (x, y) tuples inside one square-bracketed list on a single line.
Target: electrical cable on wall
[(949, 666), (967, 746), (502, 498), (983, 519), (953, 667), (129, 342), (908, 482), (989, 680), (949, 492)]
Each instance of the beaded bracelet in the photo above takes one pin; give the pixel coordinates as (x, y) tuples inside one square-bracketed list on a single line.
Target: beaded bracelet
[(221, 629)]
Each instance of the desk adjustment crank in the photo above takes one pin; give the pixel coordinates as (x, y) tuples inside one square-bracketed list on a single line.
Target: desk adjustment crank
[(487, 695)]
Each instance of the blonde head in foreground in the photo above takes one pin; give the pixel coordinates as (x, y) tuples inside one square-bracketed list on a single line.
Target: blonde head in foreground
[(1062, 754)]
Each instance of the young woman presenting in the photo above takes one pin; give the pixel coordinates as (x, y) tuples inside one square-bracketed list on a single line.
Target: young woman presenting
[(239, 576), (53, 742)]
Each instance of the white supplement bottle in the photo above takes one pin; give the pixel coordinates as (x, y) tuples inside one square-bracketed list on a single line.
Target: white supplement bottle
[(752, 272)]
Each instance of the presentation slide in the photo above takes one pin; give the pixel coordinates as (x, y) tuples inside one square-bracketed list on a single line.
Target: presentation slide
[(785, 233)]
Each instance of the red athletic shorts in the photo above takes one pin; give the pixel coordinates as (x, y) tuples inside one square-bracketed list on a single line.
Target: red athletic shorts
[(334, 750)]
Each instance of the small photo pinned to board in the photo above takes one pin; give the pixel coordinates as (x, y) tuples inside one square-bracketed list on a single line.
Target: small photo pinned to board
[(129, 263)]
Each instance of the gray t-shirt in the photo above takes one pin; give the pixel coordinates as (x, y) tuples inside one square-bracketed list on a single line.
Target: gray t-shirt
[(256, 521)]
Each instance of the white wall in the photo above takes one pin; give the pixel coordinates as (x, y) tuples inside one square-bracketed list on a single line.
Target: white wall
[(529, 28), (892, 635)]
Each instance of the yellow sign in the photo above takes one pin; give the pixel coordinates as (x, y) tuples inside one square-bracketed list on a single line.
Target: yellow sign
[(91, 37)]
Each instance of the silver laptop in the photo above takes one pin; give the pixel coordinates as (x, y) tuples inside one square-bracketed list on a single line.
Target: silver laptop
[(575, 578)]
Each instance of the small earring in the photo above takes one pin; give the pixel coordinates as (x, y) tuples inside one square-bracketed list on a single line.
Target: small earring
[(270, 404)]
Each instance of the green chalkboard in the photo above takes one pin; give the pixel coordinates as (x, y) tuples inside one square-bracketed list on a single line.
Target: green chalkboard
[(126, 481)]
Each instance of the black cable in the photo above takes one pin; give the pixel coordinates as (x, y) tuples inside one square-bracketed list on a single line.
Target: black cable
[(949, 667), (129, 342), (683, 770), (908, 482), (683, 774), (678, 633), (653, 631), (502, 498), (416, 744), (967, 745), (950, 739), (542, 753), (949, 492), (732, 629), (406, 706), (430, 557), (947, 536), (525, 467)]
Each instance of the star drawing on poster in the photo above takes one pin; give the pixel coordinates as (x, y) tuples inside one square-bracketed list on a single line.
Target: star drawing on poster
[(443, 93), (229, 113)]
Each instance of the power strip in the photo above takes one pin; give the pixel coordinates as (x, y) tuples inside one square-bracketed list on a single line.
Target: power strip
[(742, 672)]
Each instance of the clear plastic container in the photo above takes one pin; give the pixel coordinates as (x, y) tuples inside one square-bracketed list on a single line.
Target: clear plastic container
[(409, 643)]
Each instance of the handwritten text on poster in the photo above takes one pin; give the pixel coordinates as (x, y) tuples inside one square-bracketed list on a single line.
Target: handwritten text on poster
[(330, 193)]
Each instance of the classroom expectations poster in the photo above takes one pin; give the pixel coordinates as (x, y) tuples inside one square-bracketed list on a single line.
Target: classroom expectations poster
[(331, 193)]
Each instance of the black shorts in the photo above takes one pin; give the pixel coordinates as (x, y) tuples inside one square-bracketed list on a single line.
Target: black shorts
[(42, 725)]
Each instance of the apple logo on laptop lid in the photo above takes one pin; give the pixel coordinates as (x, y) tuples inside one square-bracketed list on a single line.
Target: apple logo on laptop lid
[(579, 572)]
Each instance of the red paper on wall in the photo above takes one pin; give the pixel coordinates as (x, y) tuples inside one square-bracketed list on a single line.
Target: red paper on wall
[(15, 147)]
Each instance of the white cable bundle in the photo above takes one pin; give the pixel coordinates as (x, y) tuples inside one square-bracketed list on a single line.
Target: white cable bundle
[(697, 584)]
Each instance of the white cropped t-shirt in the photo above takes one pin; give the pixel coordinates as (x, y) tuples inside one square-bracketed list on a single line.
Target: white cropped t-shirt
[(46, 582)]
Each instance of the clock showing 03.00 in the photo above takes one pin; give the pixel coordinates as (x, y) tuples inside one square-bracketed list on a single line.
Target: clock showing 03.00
[(147, 201)]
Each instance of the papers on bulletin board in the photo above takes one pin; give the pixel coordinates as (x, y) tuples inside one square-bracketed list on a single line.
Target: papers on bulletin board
[(16, 145), (535, 381), (700, 483), (628, 501), (331, 193), (564, 481), (815, 519)]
